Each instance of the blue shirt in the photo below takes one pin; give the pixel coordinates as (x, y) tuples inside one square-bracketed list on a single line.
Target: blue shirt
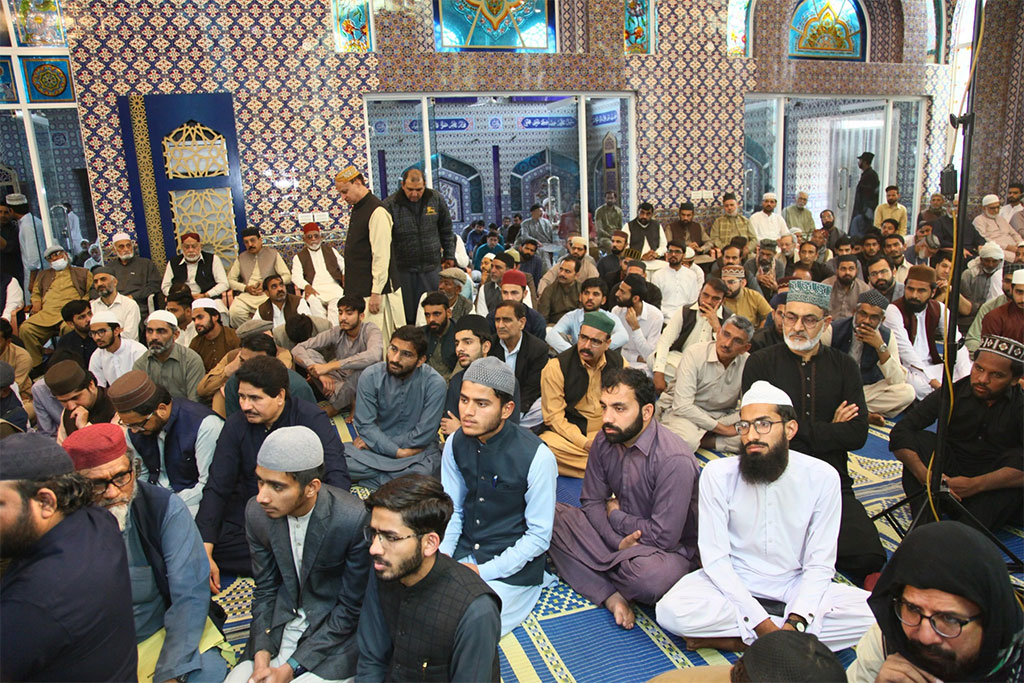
[(569, 325), (393, 413)]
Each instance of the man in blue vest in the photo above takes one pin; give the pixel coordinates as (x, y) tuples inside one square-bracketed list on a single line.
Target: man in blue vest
[(176, 438), (168, 568), (501, 479), (869, 342)]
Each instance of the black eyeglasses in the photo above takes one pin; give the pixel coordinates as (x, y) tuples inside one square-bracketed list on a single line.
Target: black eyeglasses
[(386, 539), (943, 623), (119, 480), (138, 426), (761, 426)]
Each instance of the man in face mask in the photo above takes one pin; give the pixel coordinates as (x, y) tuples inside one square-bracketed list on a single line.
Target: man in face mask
[(53, 287), (137, 277)]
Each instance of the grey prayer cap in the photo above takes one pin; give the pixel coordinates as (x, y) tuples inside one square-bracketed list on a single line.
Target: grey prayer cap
[(291, 449), (33, 456), (493, 373), (6, 375)]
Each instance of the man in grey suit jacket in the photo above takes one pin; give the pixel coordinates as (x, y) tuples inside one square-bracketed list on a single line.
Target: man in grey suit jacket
[(310, 564)]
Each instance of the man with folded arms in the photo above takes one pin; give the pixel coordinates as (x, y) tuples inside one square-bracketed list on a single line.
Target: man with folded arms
[(318, 273)]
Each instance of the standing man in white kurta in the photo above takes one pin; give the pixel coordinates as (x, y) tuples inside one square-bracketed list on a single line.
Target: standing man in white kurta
[(318, 273), (768, 530)]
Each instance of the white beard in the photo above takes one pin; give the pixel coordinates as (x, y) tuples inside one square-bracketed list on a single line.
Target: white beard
[(120, 513), (192, 260), (802, 347), (312, 248)]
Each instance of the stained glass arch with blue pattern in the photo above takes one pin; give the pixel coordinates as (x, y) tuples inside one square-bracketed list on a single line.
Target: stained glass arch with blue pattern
[(828, 29), (495, 26)]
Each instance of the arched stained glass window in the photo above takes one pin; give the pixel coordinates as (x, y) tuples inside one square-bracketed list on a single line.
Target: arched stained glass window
[(828, 29), (737, 28), (495, 25), (639, 27)]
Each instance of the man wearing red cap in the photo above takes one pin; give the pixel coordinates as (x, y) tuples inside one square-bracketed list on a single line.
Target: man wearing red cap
[(514, 288), (318, 273), (168, 566), (202, 272)]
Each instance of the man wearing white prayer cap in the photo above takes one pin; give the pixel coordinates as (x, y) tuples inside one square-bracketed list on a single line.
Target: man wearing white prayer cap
[(115, 352), (310, 562), (994, 228), (767, 526), (981, 280), (766, 223), (167, 363), (213, 340), (137, 276)]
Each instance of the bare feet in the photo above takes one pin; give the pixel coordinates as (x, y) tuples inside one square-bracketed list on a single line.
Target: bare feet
[(727, 644), (620, 609), (349, 418), (876, 419)]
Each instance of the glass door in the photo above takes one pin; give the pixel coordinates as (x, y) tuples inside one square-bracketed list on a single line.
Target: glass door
[(608, 164), (760, 126), (396, 136)]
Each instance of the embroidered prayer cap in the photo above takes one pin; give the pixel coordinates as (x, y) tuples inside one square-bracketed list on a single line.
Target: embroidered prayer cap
[(1018, 277), (514, 254), (16, 199), (733, 271), (578, 241), (95, 445), (253, 326), (1010, 268), (514, 277), (924, 274), (768, 243), (454, 274), (599, 320), (310, 227), (6, 375), (873, 297), (186, 235), (107, 317), (770, 195), (131, 390), (348, 174), (120, 237), (64, 377), (764, 392), (792, 656), (991, 250), (291, 449), (493, 373), (163, 316), (203, 302), (990, 199), (1003, 346), (810, 292), (33, 456), (52, 249)]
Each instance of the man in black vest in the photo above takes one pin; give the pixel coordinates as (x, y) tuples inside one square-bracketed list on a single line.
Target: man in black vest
[(425, 616), (280, 306), (202, 272), (646, 234), (317, 274), (370, 272), (689, 325), (501, 479), (165, 557)]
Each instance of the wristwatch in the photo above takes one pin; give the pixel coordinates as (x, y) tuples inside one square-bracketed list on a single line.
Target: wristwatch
[(797, 623), (297, 669), (884, 348)]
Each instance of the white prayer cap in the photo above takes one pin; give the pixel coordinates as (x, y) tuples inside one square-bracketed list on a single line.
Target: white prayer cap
[(991, 250), (119, 237), (796, 232), (770, 195), (105, 317), (1018, 277), (164, 317), (689, 254), (16, 199), (763, 392), (990, 199), (291, 449), (204, 303)]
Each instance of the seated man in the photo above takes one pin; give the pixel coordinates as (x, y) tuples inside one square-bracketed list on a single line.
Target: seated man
[(870, 344), (355, 345), (309, 563), (115, 354), (169, 571), (398, 409), (635, 532), (678, 282), (168, 363), (980, 280), (564, 333), (66, 603), (846, 287), (513, 288), (12, 412), (126, 310), (21, 365), (318, 273), (919, 323), (253, 345), (440, 333), (563, 294), (701, 408), (266, 406), (570, 386), (983, 465), (689, 325), (77, 315), (767, 524), (248, 273), (84, 402), (280, 306), (451, 282), (212, 341), (501, 480), (203, 272), (175, 439), (642, 320), (420, 590), (52, 289), (137, 277), (771, 333), (1008, 320), (743, 301), (808, 255), (179, 304), (587, 268), (942, 618), (973, 336), (525, 354), (879, 274)]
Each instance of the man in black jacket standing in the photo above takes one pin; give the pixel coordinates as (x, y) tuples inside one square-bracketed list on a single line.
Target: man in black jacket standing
[(422, 231)]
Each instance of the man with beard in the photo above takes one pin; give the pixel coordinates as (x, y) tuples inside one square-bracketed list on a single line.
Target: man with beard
[(593, 294), (501, 479), (489, 293), (310, 566), (730, 224), (828, 229), (1008, 320), (168, 363), (941, 617), (741, 300), (562, 295), (137, 277), (645, 234), (203, 272), (797, 215), (355, 345), (608, 219), (175, 439), (808, 256), (280, 306), (398, 407), (66, 595), (318, 273), (690, 233), (991, 227), (766, 224), (924, 248), (450, 283), (701, 408), (973, 337), (84, 402), (635, 532), (53, 288), (689, 325), (571, 393), (513, 288), (170, 595), (425, 616), (213, 341), (179, 304), (846, 287), (115, 355), (642, 320), (919, 323), (825, 386), (110, 300), (249, 273), (880, 277), (787, 245), (892, 210), (893, 248), (980, 280), (983, 442), (679, 284), (266, 406), (610, 264), (577, 250), (440, 334), (764, 269), (767, 526), (529, 262), (867, 340), (843, 247), (474, 339)]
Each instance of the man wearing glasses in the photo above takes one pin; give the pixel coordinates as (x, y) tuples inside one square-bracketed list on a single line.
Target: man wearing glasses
[(115, 353), (825, 386), (175, 438), (942, 617), (767, 527), (168, 568)]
